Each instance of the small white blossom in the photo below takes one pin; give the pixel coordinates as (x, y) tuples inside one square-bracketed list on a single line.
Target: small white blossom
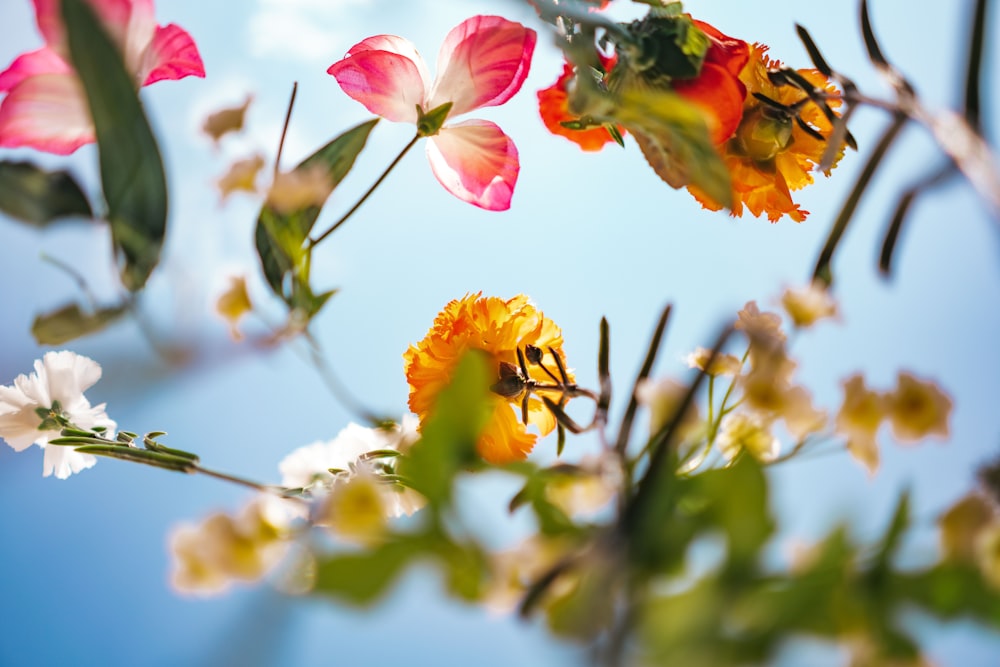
[(59, 380)]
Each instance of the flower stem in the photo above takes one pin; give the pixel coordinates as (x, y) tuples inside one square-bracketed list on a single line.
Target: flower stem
[(406, 149), (241, 481)]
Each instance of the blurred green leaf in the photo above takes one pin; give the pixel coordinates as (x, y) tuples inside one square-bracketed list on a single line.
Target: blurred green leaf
[(360, 578), (281, 237), (465, 569), (71, 322), (38, 197), (673, 136), (132, 176), (735, 499), (950, 591), (448, 443)]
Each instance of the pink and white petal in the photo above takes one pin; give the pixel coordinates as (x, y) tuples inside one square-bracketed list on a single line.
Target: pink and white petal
[(42, 61), (475, 161), (116, 15), (483, 62), (170, 56), (48, 112), (398, 45), (387, 83), (64, 461)]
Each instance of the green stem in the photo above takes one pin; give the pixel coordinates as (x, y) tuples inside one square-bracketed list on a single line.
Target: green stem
[(241, 481), (406, 149)]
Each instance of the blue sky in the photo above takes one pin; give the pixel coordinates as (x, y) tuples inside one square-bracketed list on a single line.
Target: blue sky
[(84, 564)]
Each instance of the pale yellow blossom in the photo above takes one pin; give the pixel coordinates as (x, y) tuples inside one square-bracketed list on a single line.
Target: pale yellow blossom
[(582, 491), (859, 419), (241, 176), (299, 189), (209, 556), (663, 397), (741, 431), (918, 409), (757, 323), (808, 305), (962, 524), (226, 120), (233, 304), (723, 364), (356, 509)]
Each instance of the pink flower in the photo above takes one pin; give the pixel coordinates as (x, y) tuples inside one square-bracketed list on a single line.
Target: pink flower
[(45, 106), (483, 62)]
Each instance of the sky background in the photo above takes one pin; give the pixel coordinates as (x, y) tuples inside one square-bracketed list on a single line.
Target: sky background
[(84, 561)]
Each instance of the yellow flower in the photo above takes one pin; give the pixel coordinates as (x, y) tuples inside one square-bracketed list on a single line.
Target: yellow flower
[(499, 328), (723, 364), (299, 189), (918, 409), (759, 324), (859, 419), (233, 304), (742, 431), (209, 556), (770, 154), (962, 525), (226, 120), (808, 305), (356, 509), (242, 175)]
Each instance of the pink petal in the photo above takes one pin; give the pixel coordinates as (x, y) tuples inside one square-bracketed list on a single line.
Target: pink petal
[(122, 18), (42, 61), (475, 161), (482, 63), (386, 74), (171, 55), (48, 112)]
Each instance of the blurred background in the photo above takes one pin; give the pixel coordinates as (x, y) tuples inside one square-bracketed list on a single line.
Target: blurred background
[(84, 575)]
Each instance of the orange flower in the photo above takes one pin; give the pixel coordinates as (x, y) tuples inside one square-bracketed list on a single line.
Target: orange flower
[(717, 89), (553, 105), (770, 154), (497, 327)]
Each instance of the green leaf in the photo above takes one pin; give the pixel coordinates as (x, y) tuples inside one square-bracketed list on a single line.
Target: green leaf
[(71, 322), (674, 138), (38, 197), (448, 443), (132, 175), (281, 238), (362, 578)]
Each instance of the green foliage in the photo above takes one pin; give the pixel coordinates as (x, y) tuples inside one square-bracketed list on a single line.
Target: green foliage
[(282, 238), (132, 175), (673, 136), (361, 578), (71, 322), (38, 197), (448, 443)]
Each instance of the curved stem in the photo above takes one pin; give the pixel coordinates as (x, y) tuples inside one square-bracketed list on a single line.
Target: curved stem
[(406, 149)]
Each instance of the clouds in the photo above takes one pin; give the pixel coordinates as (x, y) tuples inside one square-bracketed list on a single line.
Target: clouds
[(303, 30)]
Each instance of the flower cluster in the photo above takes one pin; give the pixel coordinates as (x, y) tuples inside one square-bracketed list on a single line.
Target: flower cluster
[(343, 485), (763, 393), (45, 106), (769, 134)]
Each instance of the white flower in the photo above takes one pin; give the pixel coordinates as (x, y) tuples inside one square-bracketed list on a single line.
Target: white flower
[(310, 466), (59, 380)]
